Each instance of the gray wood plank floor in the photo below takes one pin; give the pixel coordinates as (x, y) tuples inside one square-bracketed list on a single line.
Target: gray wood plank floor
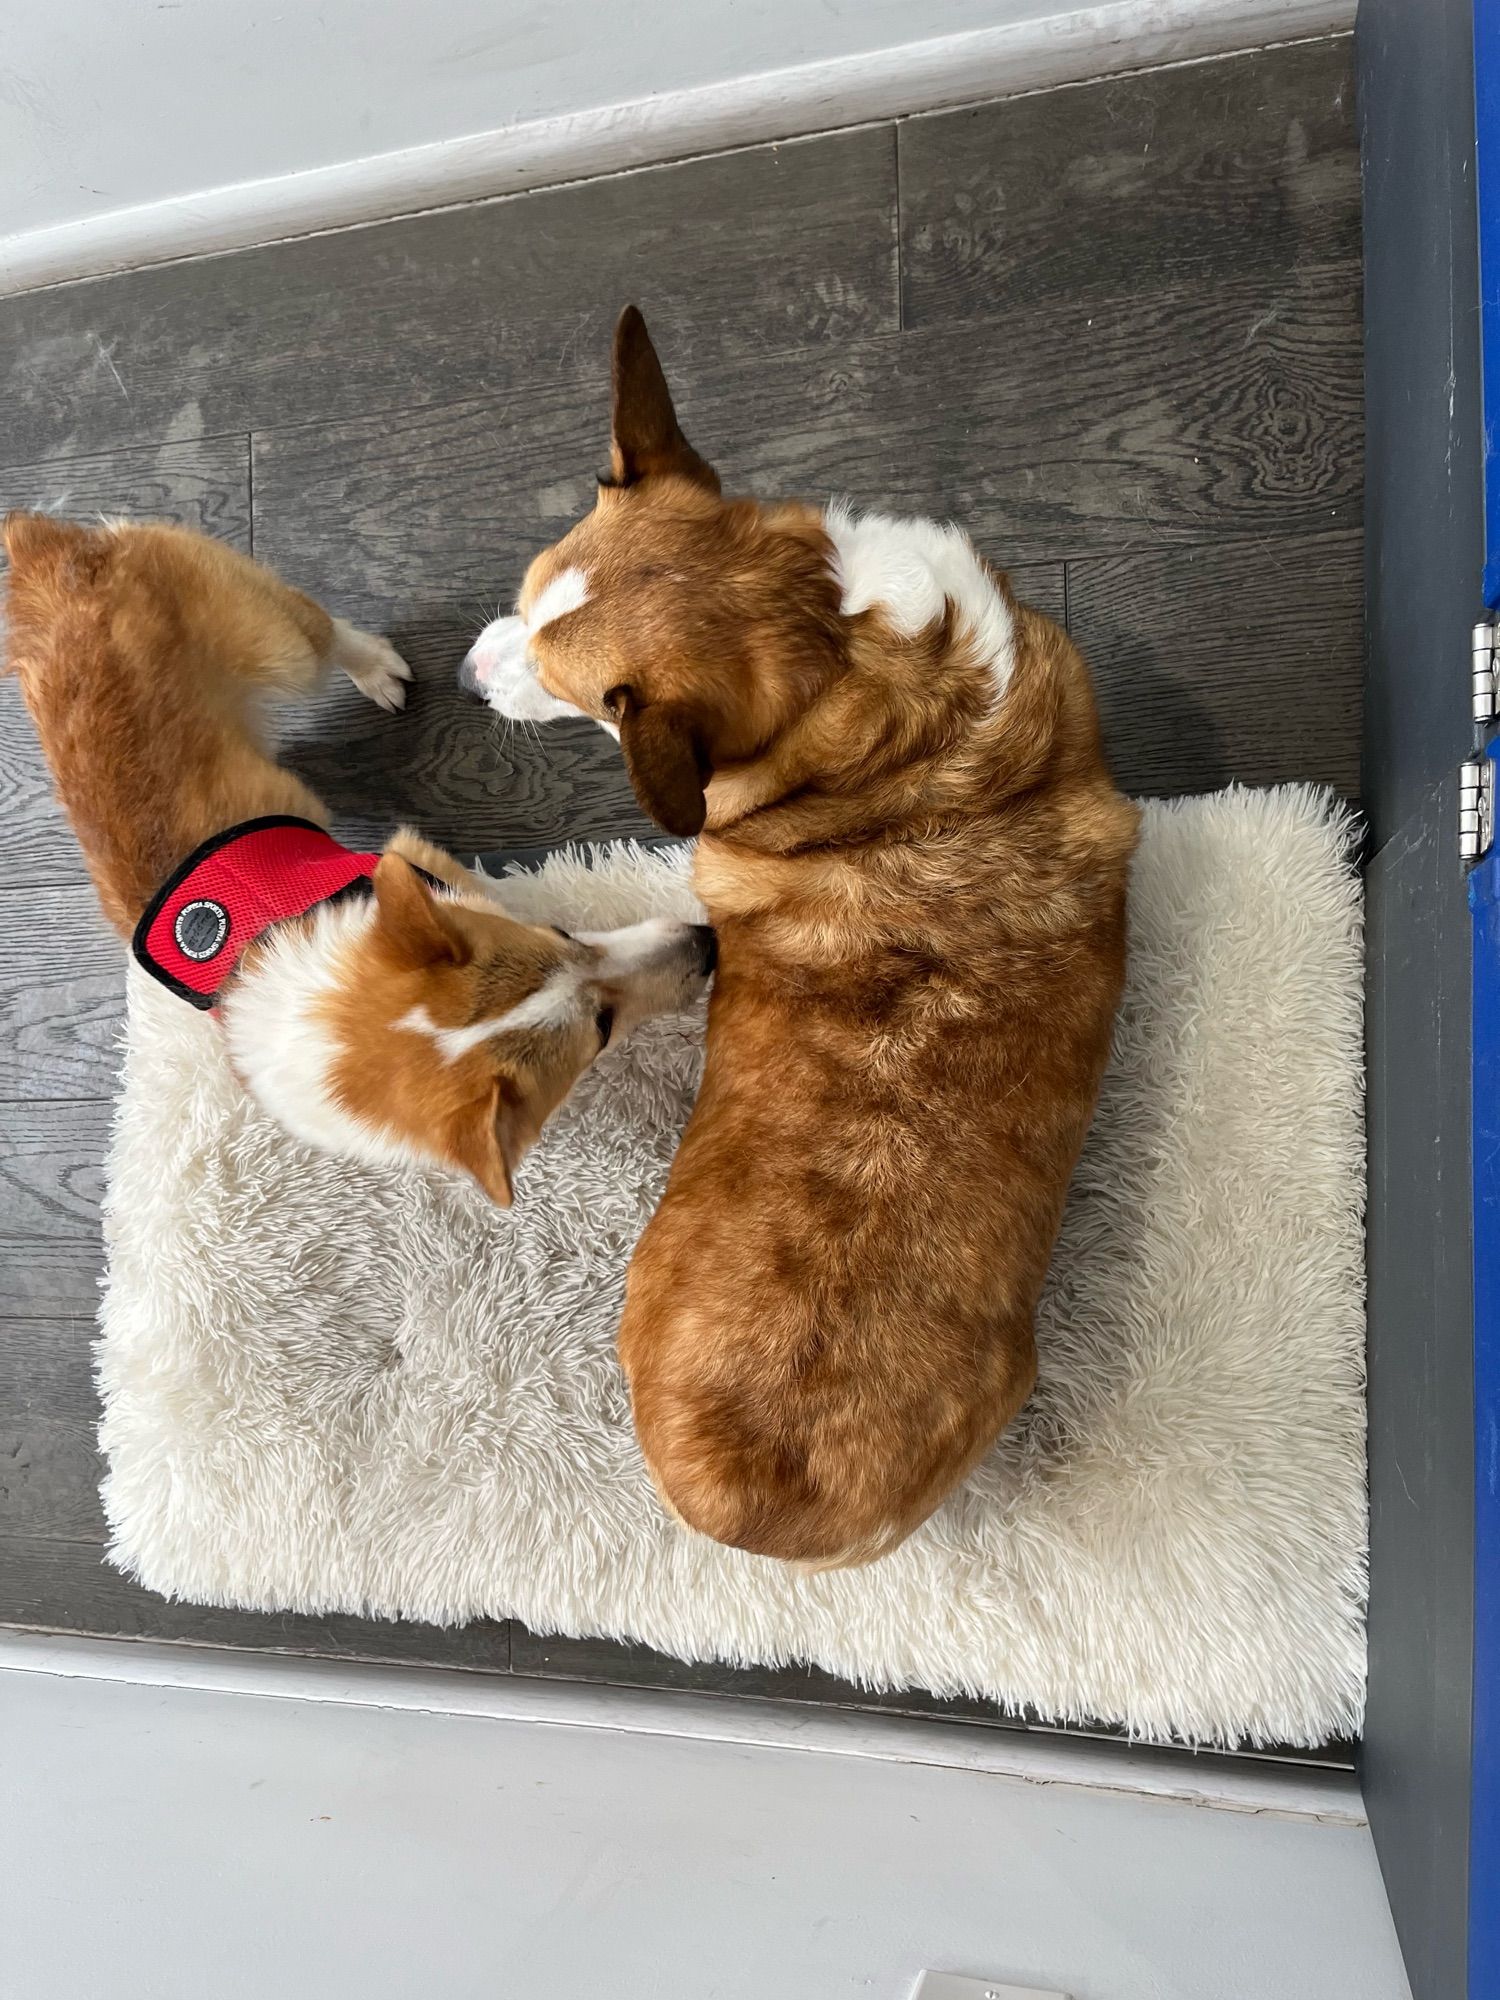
[(1114, 330)]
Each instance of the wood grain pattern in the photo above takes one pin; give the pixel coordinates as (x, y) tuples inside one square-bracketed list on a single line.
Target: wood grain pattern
[(46, 1366), (1242, 169), (49, 1461), (1042, 585), (51, 1184), (51, 1277), (1048, 433), (50, 1470), (202, 484), (1059, 431), (53, 1585), (62, 994), (51, 1170), (771, 247), (448, 765), (1240, 661)]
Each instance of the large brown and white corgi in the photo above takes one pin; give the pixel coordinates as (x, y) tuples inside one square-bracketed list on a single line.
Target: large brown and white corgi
[(916, 862), (382, 1007)]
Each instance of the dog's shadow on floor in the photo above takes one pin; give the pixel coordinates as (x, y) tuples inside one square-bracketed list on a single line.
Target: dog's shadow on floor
[(449, 766), (1155, 723)]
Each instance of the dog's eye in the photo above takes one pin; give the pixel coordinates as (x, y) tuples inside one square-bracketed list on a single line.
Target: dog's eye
[(562, 933), (604, 1021)]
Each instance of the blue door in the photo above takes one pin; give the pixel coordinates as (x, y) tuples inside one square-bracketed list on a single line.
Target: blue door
[(1484, 903)]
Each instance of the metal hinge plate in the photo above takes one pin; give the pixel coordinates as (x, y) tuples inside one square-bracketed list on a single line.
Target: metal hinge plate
[(1476, 808), (1482, 677)]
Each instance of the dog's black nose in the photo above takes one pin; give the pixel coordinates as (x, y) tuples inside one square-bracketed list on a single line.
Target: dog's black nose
[(706, 939)]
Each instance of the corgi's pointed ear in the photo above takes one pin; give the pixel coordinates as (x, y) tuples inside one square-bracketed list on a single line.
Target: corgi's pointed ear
[(666, 759), (411, 920), (492, 1137), (645, 436)]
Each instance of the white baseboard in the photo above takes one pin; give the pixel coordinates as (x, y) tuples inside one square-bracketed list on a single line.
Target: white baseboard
[(1066, 47), (1220, 1784)]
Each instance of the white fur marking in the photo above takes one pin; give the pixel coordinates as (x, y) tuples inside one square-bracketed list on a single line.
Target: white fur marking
[(503, 664), (550, 1006), (284, 1053), (452, 1043), (910, 568), (633, 948), (505, 674), (568, 591)]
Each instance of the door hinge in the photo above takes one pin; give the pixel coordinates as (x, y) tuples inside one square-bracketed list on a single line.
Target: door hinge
[(1476, 808), (1482, 677)]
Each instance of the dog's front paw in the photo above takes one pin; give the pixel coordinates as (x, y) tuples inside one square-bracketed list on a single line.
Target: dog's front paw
[(374, 665)]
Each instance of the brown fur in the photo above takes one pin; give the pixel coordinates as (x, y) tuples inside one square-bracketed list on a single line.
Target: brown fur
[(144, 653), (921, 917)]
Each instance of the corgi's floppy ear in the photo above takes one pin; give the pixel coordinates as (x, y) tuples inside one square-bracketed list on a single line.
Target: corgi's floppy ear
[(491, 1138), (645, 435), (665, 758), (411, 920)]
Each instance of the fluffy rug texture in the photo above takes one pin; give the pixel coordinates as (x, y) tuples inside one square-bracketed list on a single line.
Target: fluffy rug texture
[(328, 1388)]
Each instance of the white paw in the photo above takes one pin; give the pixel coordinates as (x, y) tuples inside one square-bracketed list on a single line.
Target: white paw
[(374, 665)]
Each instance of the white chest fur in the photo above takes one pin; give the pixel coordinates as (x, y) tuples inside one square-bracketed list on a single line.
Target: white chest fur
[(282, 1048)]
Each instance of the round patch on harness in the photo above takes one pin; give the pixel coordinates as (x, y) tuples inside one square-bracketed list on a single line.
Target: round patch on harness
[(201, 928)]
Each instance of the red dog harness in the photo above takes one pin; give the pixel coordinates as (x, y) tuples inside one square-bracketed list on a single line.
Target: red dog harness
[(231, 890)]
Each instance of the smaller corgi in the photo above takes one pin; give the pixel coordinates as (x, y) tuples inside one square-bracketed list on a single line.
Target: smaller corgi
[(381, 1007)]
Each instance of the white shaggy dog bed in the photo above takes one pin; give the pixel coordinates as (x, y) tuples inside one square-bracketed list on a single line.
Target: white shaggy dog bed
[(328, 1388)]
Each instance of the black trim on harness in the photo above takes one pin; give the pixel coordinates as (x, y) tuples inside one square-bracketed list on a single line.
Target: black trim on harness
[(206, 1002), (358, 885)]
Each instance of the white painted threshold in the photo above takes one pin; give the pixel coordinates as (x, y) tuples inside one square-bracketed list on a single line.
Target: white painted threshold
[(1073, 45), (1033, 1758)]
